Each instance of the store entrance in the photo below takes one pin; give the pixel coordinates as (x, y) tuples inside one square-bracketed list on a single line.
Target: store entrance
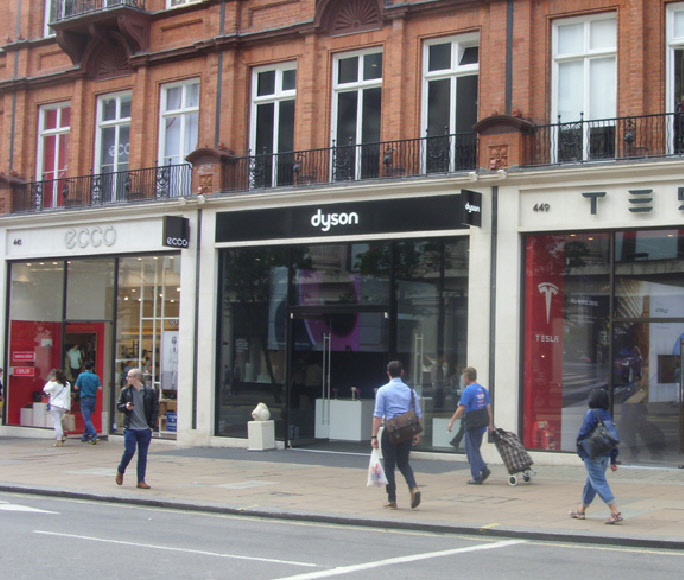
[(336, 361), (88, 342)]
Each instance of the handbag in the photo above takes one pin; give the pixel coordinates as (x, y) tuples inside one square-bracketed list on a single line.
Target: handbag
[(404, 426), (376, 473), (601, 440)]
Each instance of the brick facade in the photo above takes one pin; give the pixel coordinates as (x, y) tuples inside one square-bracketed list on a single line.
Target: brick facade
[(219, 42)]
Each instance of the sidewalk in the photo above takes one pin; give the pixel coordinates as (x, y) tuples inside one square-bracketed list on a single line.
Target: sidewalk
[(314, 486)]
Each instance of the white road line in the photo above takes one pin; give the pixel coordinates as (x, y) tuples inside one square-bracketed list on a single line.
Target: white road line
[(169, 548), (400, 560), (15, 507)]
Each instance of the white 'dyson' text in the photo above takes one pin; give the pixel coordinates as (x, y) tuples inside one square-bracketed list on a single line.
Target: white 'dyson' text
[(327, 221)]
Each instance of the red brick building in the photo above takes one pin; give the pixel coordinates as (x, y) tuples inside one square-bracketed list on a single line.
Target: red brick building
[(174, 146)]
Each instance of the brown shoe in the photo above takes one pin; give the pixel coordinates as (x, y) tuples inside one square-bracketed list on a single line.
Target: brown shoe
[(390, 505), (119, 477), (143, 485)]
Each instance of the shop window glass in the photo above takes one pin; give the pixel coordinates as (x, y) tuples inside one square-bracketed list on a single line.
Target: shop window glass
[(648, 270), (253, 338), (343, 274), (147, 327), (432, 327), (90, 289), (647, 365), (35, 336), (567, 298)]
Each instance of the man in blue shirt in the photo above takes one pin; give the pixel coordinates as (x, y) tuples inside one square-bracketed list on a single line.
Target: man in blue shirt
[(474, 404), (391, 400), (87, 385)]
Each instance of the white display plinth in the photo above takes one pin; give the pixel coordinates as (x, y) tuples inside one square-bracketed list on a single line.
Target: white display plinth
[(346, 420), (440, 436), (260, 435), (26, 417), (40, 414)]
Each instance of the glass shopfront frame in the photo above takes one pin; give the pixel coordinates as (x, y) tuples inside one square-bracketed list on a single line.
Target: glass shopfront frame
[(308, 329), (63, 312), (605, 309)]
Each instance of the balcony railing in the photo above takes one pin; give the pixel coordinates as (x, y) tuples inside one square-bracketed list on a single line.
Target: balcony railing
[(154, 183), (339, 164), (606, 139), (63, 9)]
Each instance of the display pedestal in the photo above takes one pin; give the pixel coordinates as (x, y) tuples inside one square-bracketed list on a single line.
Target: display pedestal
[(260, 435), (26, 417), (40, 414), (440, 436), (344, 420)]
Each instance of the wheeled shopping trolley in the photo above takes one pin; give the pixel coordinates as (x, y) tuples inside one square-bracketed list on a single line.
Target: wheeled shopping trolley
[(515, 457)]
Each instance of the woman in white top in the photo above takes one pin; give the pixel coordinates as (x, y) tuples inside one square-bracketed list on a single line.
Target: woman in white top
[(59, 390)]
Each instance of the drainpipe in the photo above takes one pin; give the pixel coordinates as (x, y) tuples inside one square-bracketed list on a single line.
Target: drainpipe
[(509, 57), (14, 91), (198, 241), (492, 293), (219, 79)]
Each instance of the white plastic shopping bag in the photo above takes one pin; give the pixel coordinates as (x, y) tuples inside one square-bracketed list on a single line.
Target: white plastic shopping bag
[(376, 473)]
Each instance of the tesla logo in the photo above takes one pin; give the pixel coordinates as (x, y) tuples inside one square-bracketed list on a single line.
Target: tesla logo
[(548, 290)]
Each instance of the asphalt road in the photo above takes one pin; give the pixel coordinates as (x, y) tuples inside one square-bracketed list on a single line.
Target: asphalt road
[(79, 540)]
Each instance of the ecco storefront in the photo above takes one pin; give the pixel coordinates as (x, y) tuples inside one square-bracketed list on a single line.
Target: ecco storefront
[(314, 300), (601, 294), (107, 292)]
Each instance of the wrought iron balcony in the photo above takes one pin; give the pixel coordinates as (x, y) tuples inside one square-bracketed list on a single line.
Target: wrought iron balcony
[(641, 136), (63, 9), (120, 187), (347, 163)]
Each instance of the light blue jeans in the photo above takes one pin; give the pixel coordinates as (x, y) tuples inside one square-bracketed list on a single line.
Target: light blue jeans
[(596, 482)]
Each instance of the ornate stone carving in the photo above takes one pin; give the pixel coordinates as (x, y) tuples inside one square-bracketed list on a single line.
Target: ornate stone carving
[(349, 16), (107, 58), (498, 157), (206, 183)]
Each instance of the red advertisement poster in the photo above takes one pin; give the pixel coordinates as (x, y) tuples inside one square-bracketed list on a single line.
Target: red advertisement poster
[(544, 320)]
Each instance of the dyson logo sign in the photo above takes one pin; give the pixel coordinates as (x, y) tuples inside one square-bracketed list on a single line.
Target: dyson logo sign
[(330, 220)]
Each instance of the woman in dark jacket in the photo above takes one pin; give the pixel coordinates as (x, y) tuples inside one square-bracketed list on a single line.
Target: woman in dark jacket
[(596, 482)]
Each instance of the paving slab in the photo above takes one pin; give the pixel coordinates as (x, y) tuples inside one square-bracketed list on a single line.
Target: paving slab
[(331, 487)]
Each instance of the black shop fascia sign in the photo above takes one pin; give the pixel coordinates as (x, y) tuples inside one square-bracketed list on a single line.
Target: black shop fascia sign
[(446, 212)]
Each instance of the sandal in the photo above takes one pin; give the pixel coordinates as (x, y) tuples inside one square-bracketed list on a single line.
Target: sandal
[(614, 518), (577, 514), (390, 505)]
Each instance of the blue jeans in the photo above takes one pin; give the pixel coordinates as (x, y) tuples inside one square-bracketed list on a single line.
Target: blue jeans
[(141, 437), (473, 442), (396, 455), (87, 409), (596, 482)]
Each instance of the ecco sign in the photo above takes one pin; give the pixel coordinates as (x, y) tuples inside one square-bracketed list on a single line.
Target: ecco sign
[(92, 237), (176, 232)]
